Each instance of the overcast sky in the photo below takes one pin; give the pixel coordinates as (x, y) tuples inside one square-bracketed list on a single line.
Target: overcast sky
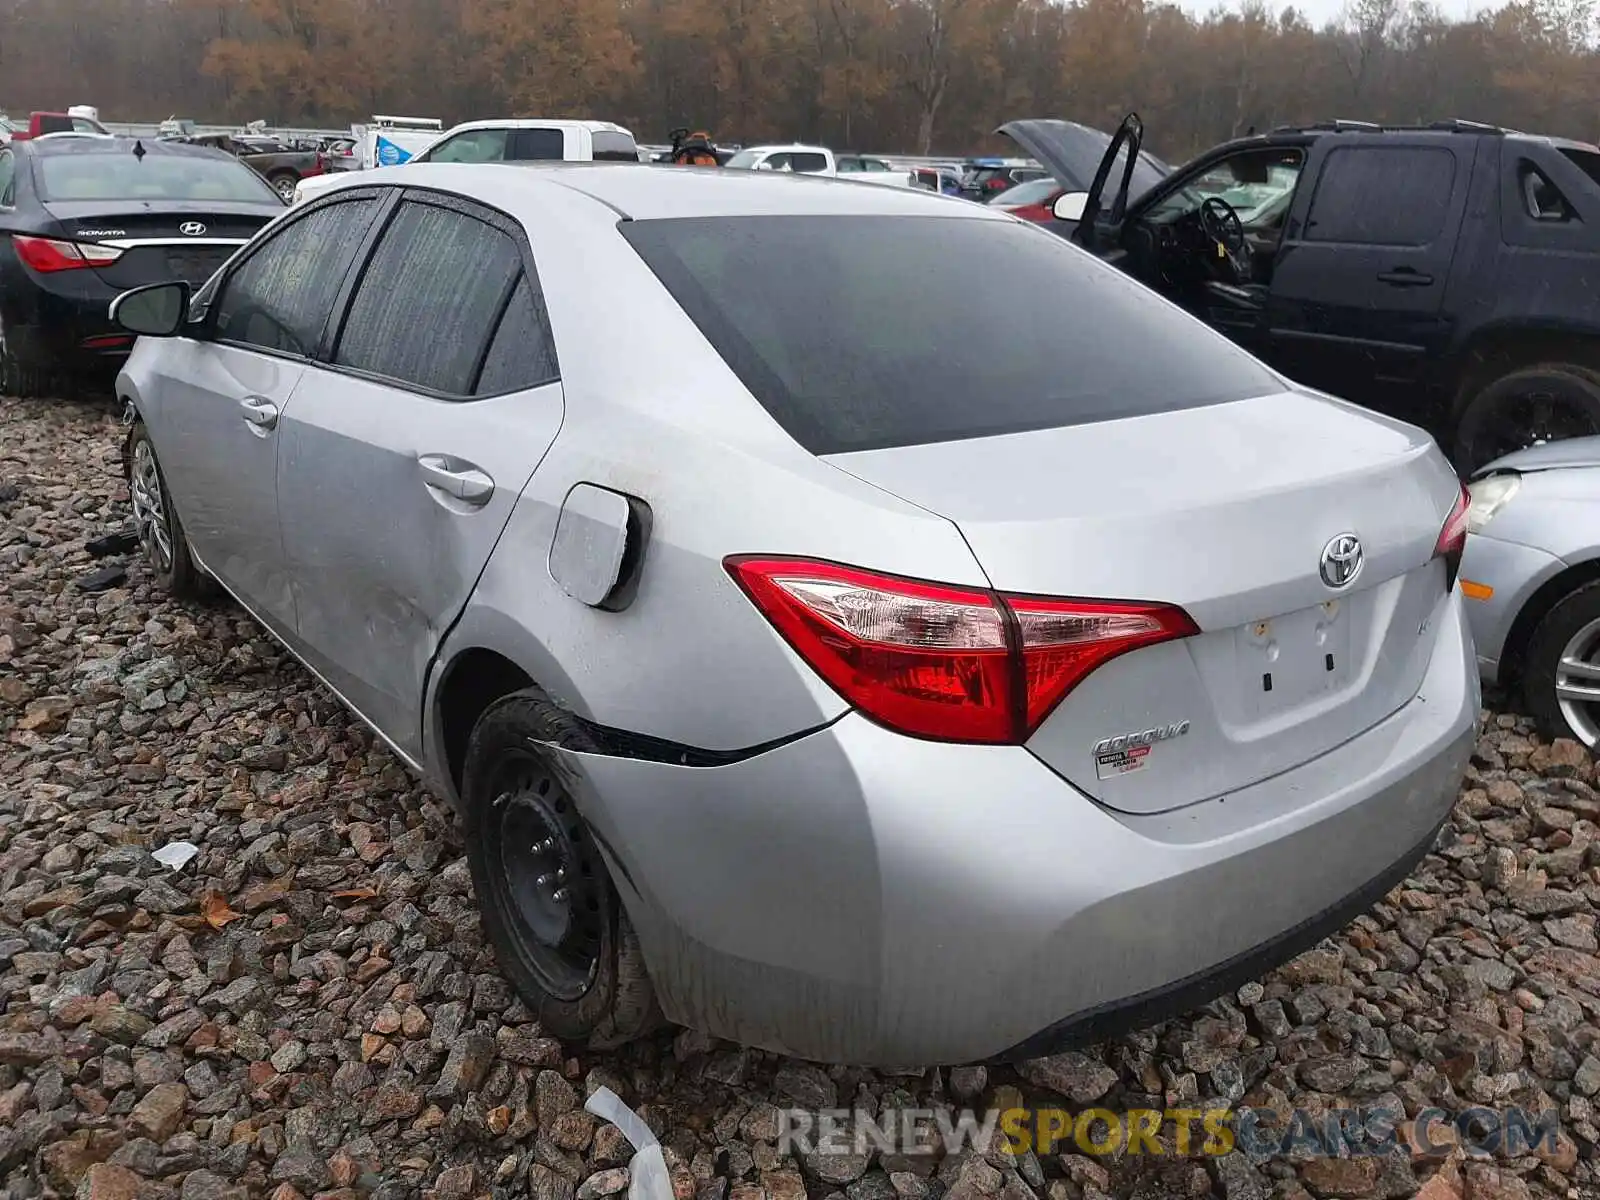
[(1319, 12)]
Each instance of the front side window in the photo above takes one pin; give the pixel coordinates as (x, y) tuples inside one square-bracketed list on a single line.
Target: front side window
[(1382, 196), (472, 146), (831, 325), (1256, 184), (280, 297), (429, 299)]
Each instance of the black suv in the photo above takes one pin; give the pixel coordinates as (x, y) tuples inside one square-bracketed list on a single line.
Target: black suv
[(1448, 274)]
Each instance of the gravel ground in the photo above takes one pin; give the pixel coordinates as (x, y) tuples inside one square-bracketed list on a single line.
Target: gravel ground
[(308, 1008)]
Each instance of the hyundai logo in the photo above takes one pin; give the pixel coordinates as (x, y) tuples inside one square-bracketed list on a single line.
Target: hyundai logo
[(1341, 561), (191, 228)]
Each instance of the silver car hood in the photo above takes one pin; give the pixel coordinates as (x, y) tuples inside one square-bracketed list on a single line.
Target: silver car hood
[(1571, 452)]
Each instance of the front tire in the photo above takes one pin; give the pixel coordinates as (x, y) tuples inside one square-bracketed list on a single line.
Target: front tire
[(549, 908), (1546, 403), (1562, 665), (166, 546), (284, 184)]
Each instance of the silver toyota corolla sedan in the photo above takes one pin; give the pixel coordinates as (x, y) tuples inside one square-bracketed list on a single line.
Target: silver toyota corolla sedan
[(1531, 578), (818, 656)]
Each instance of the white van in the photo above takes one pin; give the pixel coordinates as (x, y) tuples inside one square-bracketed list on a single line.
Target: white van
[(521, 140)]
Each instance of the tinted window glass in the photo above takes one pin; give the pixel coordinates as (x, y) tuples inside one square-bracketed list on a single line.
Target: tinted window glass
[(1382, 196), (159, 175), (8, 171), (473, 146), (536, 144), (808, 161), (1587, 160), (428, 300), (831, 324), (280, 297), (521, 355), (614, 147)]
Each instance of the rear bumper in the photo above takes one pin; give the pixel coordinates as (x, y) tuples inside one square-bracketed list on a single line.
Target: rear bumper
[(857, 896), (63, 330)]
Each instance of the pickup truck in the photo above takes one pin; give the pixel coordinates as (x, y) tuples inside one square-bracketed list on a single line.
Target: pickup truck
[(41, 123), (281, 166), (1443, 274), (819, 160), (516, 140)]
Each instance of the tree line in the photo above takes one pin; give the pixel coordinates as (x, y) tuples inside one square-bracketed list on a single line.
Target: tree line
[(914, 76)]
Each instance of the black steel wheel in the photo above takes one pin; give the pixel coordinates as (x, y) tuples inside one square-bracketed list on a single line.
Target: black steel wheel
[(549, 907)]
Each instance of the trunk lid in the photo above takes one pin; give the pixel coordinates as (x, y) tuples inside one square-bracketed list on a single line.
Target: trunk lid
[(160, 244), (1225, 510)]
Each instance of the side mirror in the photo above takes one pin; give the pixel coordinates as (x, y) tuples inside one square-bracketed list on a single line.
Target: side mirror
[(1069, 206), (155, 310)]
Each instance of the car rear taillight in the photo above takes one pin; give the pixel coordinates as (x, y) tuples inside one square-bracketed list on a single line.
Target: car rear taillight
[(49, 254), (1453, 537), (952, 664)]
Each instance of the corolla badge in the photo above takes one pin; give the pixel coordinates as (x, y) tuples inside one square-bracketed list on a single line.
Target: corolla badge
[(191, 228), (1341, 561), (1128, 752)]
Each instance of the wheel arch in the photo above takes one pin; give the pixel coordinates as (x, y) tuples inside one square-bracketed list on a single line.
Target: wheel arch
[(1496, 350), (486, 657), (1538, 606)]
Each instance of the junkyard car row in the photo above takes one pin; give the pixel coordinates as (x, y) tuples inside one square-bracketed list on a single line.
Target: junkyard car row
[(770, 689)]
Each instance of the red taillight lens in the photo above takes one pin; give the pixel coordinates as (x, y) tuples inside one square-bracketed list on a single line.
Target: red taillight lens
[(48, 254), (949, 663), (1453, 537)]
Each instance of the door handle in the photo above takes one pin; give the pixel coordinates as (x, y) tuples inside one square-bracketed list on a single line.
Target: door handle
[(260, 412), (465, 482), (1404, 277)]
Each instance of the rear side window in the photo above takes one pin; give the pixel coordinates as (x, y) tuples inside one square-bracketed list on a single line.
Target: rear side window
[(1382, 196), (521, 355), (808, 161), (614, 147), (1586, 161), (280, 297), (532, 145), (8, 174), (429, 299), (832, 325)]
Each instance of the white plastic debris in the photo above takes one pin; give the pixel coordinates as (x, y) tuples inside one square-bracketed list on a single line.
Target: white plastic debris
[(647, 1170), (174, 855)]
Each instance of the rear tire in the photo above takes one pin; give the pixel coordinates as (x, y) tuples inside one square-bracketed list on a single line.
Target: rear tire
[(1548, 402), (549, 908), (166, 546), (1570, 631)]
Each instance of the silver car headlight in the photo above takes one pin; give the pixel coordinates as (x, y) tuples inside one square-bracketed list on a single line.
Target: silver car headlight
[(1489, 496)]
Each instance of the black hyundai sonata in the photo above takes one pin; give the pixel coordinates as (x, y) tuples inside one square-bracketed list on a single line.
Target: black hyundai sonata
[(84, 217)]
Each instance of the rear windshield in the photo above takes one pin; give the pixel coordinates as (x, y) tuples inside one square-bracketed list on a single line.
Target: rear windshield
[(122, 175), (847, 334)]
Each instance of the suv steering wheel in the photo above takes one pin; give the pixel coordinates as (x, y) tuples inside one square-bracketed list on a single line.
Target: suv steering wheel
[(1220, 222)]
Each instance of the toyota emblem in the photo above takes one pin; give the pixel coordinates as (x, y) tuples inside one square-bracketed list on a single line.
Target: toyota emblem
[(191, 228), (1341, 561)]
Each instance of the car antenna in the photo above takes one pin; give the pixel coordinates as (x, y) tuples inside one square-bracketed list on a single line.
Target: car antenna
[(138, 149)]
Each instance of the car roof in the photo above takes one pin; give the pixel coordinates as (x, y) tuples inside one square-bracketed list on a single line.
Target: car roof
[(641, 191), (790, 146), (540, 123)]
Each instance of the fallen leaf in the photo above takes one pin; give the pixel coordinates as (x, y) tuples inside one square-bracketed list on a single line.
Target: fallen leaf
[(214, 908), (360, 893)]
